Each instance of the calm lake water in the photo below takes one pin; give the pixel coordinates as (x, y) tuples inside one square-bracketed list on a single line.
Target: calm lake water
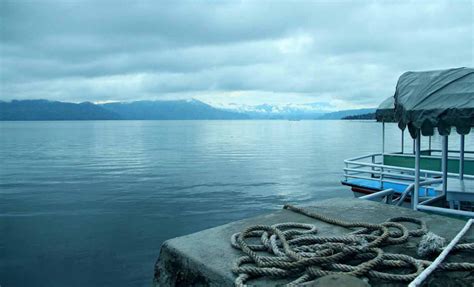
[(89, 203)]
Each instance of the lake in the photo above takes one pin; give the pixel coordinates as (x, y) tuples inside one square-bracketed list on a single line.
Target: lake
[(88, 203)]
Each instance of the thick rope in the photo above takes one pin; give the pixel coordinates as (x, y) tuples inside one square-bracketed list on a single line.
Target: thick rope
[(294, 250)]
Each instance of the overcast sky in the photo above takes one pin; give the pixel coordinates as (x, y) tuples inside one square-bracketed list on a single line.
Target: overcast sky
[(345, 53)]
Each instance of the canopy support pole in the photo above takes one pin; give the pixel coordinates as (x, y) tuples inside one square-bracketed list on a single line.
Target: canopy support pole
[(414, 146), (383, 139), (429, 145), (417, 170), (403, 140), (383, 154), (444, 164), (461, 159)]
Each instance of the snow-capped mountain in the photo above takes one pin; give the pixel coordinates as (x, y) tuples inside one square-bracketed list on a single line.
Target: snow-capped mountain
[(283, 111)]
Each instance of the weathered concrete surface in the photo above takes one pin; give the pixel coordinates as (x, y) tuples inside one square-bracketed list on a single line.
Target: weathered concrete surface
[(337, 280), (205, 258)]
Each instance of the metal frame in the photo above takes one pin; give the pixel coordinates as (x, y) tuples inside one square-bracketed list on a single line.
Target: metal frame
[(388, 193), (417, 170), (461, 158), (357, 167), (411, 187), (367, 164), (403, 141), (445, 210), (444, 163), (440, 151)]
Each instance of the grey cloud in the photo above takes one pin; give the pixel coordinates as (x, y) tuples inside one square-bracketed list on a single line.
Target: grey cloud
[(126, 50)]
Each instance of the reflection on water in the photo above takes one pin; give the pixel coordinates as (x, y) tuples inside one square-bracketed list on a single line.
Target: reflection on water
[(89, 203)]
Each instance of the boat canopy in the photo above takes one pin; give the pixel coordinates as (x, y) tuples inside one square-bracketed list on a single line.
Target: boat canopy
[(441, 99), (386, 110)]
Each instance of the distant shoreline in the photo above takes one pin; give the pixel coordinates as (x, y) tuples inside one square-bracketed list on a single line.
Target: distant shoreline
[(44, 110), (170, 120)]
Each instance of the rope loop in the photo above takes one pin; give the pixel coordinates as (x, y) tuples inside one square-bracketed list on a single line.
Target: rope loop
[(295, 250)]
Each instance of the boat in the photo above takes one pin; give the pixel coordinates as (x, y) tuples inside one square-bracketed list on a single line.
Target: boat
[(434, 180)]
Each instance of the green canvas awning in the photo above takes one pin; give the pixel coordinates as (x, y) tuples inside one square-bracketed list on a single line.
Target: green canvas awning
[(435, 99), (386, 110)]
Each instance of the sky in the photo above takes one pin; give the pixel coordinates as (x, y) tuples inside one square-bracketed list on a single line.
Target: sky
[(346, 54)]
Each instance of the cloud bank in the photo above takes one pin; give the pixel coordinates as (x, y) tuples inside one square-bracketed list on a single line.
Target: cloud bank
[(345, 53)]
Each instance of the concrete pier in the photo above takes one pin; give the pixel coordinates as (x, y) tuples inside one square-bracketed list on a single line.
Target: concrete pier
[(205, 258)]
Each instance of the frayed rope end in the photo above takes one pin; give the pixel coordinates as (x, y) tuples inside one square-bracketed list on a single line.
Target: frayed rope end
[(430, 243)]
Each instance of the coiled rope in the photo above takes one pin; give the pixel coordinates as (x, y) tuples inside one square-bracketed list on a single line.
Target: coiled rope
[(293, 250)]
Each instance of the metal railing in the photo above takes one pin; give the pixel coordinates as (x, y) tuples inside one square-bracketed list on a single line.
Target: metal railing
[(411, 187), (468, 153), (371, 167), (387, 194)]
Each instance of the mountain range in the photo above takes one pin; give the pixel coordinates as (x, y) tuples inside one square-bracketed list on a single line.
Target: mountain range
[(30, 110)]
